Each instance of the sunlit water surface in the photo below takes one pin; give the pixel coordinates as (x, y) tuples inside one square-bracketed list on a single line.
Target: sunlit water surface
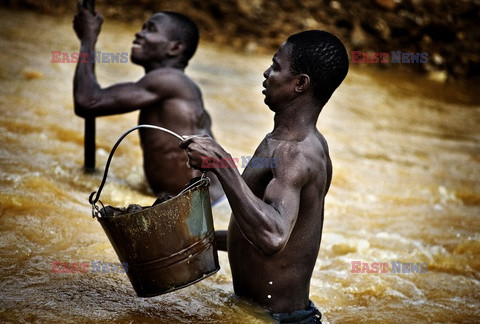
[(406, 155)]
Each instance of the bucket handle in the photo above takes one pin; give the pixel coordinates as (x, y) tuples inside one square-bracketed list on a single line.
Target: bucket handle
[(93, 201)]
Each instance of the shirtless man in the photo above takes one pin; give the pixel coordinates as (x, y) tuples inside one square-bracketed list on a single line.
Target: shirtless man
[(165, 96), (277, 211)]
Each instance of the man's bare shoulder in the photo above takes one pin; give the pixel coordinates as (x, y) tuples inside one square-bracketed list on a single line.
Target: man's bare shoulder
[(313, 146), (168, 79), (290, 160), (291, 151), (323, 142), (300, 158)]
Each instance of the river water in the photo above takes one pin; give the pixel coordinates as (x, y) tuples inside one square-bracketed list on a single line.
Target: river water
[(406, 155)]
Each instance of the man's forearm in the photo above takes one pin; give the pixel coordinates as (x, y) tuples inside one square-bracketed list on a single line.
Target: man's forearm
[(85, 81)]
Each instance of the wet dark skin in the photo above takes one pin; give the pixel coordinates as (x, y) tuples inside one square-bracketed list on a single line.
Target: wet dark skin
[(165, 96), (277, 213)]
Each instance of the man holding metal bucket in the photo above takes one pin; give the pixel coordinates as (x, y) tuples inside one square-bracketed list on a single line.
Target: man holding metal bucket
[(277, 212), (165, 96)]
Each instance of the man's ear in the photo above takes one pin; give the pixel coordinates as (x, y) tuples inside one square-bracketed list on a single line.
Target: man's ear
[(176, 48), (303, 83)]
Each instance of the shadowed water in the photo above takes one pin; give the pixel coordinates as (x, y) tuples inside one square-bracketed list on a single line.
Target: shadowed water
[(406, 155)]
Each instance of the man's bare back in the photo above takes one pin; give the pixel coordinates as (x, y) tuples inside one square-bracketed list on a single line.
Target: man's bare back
[(165, 96), (183, 113)]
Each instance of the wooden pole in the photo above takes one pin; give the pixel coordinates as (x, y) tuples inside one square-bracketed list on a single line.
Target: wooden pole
[(89, 133), (89, 145)]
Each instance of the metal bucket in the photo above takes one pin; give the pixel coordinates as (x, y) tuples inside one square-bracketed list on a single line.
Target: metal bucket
[(168, 246)]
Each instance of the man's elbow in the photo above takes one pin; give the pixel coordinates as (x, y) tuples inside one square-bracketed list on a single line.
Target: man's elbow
[(83, 106), (273, 244)]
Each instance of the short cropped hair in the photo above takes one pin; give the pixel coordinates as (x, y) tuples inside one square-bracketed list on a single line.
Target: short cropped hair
[(185, 30), (321, 56)]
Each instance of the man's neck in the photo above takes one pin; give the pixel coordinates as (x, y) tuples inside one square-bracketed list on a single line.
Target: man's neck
[(295, 120), (162, 65)]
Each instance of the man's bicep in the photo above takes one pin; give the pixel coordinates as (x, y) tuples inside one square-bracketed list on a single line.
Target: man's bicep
[(121, 98), (152, 89), (283, 194), (125, 97)]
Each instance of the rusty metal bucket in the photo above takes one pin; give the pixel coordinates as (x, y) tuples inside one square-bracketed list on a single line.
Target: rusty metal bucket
[(168, 246)]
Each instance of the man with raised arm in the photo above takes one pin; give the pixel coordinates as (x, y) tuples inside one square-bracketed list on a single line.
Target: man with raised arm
[(277, 211), (165, 96)]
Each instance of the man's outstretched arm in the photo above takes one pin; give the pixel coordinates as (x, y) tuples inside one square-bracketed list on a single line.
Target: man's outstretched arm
[(91, 100)]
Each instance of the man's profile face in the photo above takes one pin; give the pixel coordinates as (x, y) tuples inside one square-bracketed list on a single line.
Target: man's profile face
[(279, 82), (151, 43)]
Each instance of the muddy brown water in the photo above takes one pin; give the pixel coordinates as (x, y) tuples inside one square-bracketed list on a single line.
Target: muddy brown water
[(406, 155)]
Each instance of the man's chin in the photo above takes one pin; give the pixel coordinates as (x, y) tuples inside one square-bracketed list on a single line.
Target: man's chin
[(135, 60), (268, 103), (265, 101)]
